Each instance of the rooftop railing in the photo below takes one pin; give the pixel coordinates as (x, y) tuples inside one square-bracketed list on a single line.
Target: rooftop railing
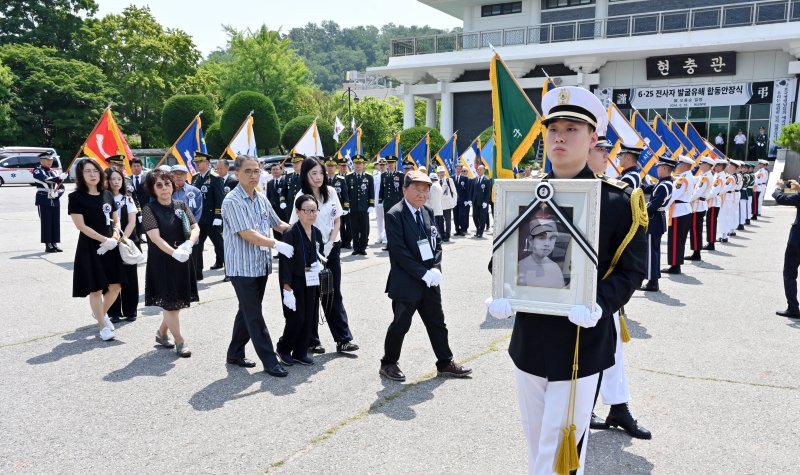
[(672, 21)]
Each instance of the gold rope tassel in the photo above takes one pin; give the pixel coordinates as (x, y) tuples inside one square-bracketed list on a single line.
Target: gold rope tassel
[(623, 327)]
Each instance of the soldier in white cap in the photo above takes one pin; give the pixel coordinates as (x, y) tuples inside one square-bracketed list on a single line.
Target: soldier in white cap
[(714, 202), (762, 177), (730, 208), (703, 187), (680, 215), (546, 348)]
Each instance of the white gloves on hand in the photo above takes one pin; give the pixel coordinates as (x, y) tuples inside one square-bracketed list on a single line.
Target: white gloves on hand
[(181, 255), (469, 203), (484, 205), (217, 222), (583, 317), (346, 212), (328, 248), (317, 267), (289, 300), (101, 250), (371, 209), (187, 246), (285, 249), (107, 245), (63, 176), (139, 218), (283, 205), (466, 203), (499, 308), (379, 205), (432, 277)]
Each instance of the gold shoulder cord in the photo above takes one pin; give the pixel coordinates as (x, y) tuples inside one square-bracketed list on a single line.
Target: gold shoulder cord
[(567, 457)]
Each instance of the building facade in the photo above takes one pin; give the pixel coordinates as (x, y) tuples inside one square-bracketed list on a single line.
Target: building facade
[(726, 65)]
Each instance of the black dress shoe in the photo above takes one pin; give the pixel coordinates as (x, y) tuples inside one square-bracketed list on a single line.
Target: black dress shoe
[(746, 221), (277, 370), (709, 247), (226, 279), (114, 318), (740, 228), (57, 249), (672, 270), (355, 253), (217, 265), (385, 248), (454, 370), (620, 416), (132, 318), (597, 423), (363, 253), (723, 240), (695, 256), (243, 362), (346, 246), (732, 233), (50, 249), (392, 371), (651, 286), (317, 349), (788, 313)]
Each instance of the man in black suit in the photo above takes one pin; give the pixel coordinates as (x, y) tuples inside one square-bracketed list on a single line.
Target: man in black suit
[(464, 189), (139, 193), (275, 189), (415, 257), (791, 258), (480, 198)]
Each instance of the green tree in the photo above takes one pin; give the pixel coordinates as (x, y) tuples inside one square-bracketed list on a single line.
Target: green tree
[(205, 82), (58, 100), (378, 121), (180, 110), (264, 62), (295, 128), (145, 62), (51, 23), (266, 127), (214, 142), (790, 137), (410, 137), (8, 102)]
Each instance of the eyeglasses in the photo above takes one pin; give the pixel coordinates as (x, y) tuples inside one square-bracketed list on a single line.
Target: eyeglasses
[(161, 185), (310, 211), (251, 172)]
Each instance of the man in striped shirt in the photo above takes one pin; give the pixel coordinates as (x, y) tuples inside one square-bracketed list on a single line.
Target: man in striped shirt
[(248, 217)]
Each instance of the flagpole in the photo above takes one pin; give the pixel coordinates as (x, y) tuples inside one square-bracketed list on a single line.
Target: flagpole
[(169, 150), (77, 154), (513, 78), (234, 135)]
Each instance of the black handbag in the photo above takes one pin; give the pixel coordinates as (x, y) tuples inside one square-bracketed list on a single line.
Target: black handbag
[(325, 282)]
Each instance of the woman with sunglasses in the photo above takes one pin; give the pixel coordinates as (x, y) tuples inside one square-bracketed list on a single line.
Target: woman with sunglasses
[(128, 300), (170, 281), (98, 270), (313, 182)]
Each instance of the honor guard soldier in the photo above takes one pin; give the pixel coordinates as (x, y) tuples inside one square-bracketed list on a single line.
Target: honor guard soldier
[(657, 214), (598, 156), (211, 188), (464, 195), (346, 228), (680, 214), (628, 160), (728, 212), (704, 185), (714, 202), (292, 183), (391, 189), (761, 144), (751, 181), (762, 177), (49, 188), (361, 189), (559, 360)]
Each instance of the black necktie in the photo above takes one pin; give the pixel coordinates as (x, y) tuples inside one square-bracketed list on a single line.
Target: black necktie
[(420, 223), (136, 181)]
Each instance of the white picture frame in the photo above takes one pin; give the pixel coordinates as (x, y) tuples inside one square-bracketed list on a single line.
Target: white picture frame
[(522, 270)]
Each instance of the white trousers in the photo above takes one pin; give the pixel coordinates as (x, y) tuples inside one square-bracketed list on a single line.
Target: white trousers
[(761, 200), (742, 211), (614, 386), (749, 207), (379, 222), (543, 411), (723, 224)]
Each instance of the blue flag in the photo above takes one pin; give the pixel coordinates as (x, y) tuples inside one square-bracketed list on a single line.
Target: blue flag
[(447, 155), (487, 156), (420, 154), (393, 149), (688, 147), (192, 140), (653, 141), (351, 148), (697, 140), (672, 142)]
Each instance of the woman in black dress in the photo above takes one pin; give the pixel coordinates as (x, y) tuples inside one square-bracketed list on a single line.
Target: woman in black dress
[(126, 303), (170, 281), (98, 267), (297, 279)]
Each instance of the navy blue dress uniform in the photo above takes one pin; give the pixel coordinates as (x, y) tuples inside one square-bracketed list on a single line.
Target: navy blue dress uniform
[(361, 189), (391, 191), (293, 185), (657, 215), (212, 189), (275, 189), (464, 190), (338, 183), (481, 197), (791, 257), (229, 183), (345, 228), (49, 188), (631, 175)]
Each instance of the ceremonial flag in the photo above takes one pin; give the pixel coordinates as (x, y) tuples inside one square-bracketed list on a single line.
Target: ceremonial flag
[(105, 140), (243, 141), (547, 86), (670, 140), (190, 141), (688, 146), (488, 157), (697, 140), (612, 169), (421, 153), (351, 148), (392, 148), (353, 124), (713, 151), (447, 155), (467, 159), (338, 127), (628, 136), (653, 141), (310, 144), (516, 121)]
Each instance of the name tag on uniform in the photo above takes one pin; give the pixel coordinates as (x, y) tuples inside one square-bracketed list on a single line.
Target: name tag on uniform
[(425, 249), (312, 278)]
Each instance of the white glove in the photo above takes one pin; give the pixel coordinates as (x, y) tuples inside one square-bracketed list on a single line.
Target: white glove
[(346, 212), (583, 317), (469, 203), (437, 277), (187, 246), (371, 209), (379, 205), (484, 205), (63, 176), (101, 250), (109, 244), (288, 299), (139, 218), (328, 248), (499, 308), (283, 248), (317, 267), (217, 222), (283, 205), (181, 255), (466, 203)]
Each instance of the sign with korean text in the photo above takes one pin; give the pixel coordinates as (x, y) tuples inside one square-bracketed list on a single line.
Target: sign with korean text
[(691, 65), (692, 95)]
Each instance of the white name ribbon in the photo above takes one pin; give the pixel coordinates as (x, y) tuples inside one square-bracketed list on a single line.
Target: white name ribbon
[(190, 197), (107, 212)]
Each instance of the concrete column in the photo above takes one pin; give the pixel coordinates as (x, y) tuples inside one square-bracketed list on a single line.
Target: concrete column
[(468, 18), (430, 112), (446, 111), (535, 15), (408, 107), (600, 14)]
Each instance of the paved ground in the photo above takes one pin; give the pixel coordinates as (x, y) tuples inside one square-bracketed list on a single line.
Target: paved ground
[(714, 374)]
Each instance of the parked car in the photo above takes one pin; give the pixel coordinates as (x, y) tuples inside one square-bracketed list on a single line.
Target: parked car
[(268, 160), (17, 164)]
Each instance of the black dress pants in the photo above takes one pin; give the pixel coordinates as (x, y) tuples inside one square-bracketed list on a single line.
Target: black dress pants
[(462, 218), (249, 322), (696, 243), (299, 325), (480, 216), (791, 261), (432, 315), (676, 239), (712, 218), (359, 227), (215, 234), (333, 306), (50, 225), (447, 218)]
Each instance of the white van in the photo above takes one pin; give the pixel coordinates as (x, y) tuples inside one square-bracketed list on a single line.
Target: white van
[(17, 164)]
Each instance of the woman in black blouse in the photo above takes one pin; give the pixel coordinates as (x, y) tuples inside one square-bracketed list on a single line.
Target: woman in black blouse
[(170, 281), (126, 303), (299, 279), (98, 267)]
